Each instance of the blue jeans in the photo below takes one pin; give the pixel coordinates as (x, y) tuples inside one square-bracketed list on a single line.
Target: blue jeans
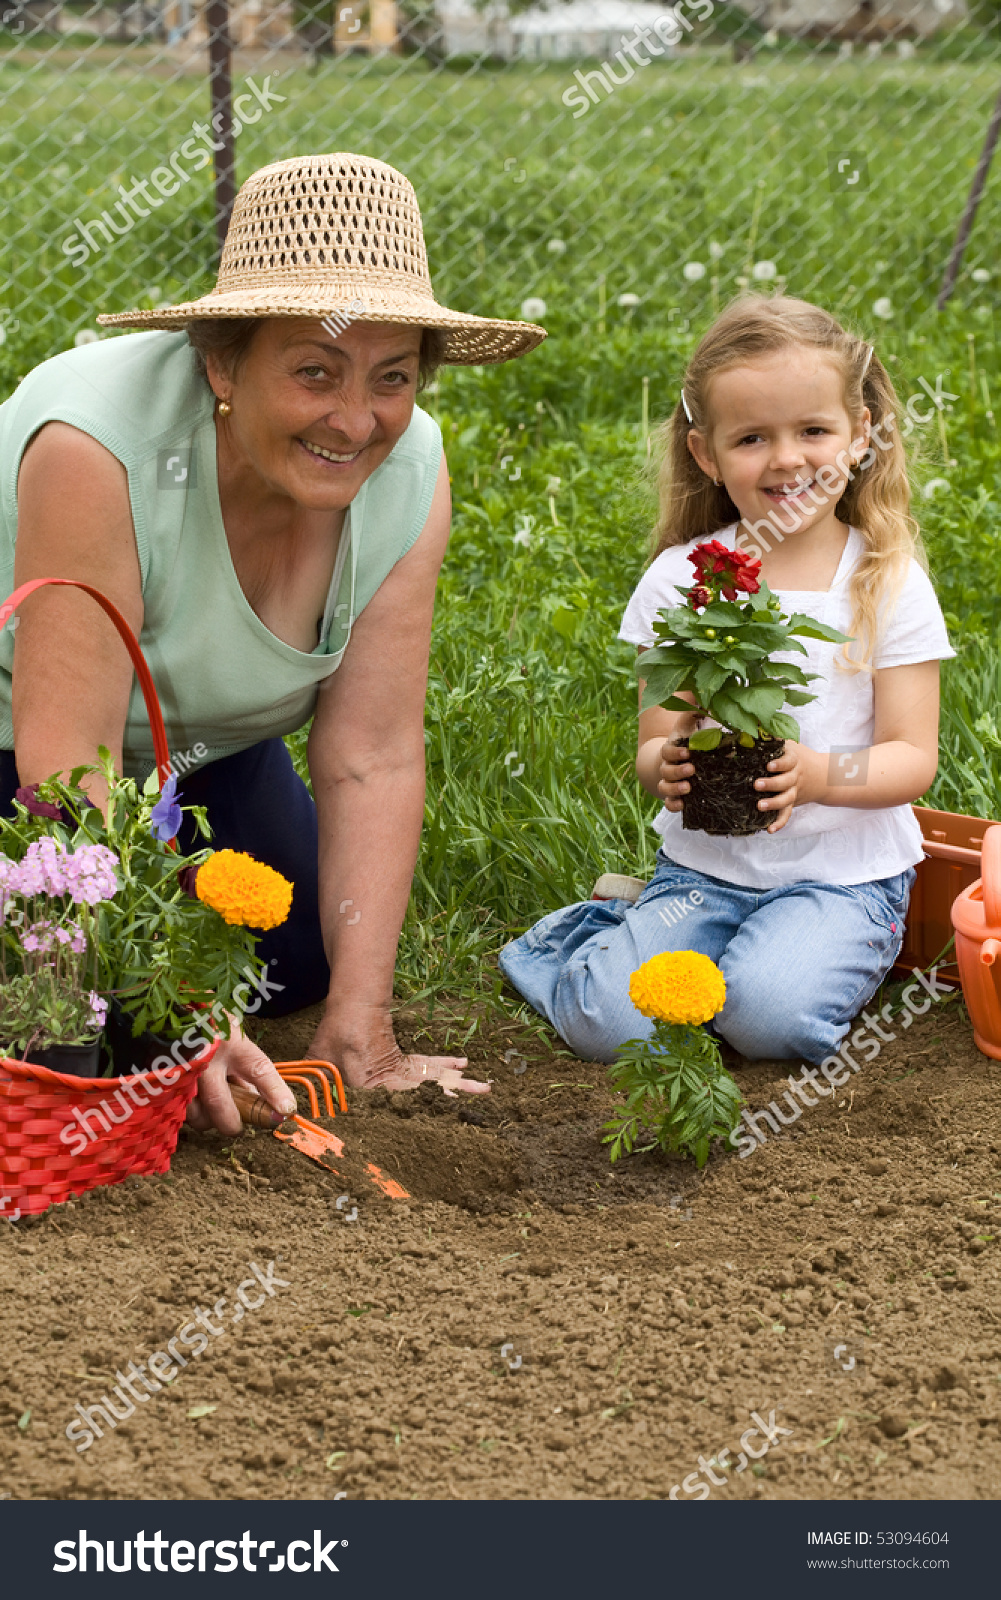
[(255, 802), (799, 961)]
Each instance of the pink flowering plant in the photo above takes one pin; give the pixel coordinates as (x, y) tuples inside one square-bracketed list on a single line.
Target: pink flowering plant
[(50, 933), (97, 910)]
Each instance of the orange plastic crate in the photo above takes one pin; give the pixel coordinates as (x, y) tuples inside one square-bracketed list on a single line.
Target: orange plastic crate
[(952, 844)]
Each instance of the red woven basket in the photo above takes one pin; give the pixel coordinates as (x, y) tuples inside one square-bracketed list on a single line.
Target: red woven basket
[(61, 1135)]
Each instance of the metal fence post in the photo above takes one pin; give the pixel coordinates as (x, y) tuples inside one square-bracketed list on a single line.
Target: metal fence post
[(221, 93), (969, 215)]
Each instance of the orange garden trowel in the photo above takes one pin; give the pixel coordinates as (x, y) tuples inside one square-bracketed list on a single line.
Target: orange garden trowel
[(308, 1137)]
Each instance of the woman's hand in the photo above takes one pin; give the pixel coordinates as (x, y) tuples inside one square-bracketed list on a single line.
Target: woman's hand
[(368, 1057), (675, 768), (795, 780), (239, 1060)]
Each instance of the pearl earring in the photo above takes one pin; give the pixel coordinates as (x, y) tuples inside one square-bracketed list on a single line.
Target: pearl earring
[(224, 408)]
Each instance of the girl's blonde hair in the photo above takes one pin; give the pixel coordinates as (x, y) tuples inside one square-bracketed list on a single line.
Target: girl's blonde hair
[(876, 500)]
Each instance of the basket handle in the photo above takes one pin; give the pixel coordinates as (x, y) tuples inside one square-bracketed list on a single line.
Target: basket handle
[(131, 644), (990, 872)]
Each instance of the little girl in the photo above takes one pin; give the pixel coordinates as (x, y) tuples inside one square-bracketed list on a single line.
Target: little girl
[(782, 445)]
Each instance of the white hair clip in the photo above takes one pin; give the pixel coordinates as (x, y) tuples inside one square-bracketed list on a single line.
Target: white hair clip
[(868, 358), (684, 402)]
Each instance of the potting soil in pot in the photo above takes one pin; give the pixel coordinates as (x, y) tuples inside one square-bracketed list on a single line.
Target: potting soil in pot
[(722, 798)]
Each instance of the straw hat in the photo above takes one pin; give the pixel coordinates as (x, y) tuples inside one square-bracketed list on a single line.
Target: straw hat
[(309, 236)]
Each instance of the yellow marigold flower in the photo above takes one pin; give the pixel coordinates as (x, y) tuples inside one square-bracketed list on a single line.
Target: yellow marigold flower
[(678, 986), (244, 891)]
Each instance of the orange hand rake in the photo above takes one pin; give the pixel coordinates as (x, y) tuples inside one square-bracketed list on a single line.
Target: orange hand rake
[(308, 1138)]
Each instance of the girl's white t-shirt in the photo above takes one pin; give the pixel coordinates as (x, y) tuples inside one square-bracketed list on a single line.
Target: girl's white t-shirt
[(822, 843)]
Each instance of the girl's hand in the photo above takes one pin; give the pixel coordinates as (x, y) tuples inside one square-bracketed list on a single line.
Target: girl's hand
[(675, 767), (793, 781)]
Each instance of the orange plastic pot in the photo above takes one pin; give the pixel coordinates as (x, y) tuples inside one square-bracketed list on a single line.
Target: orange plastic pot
[(976, 917)]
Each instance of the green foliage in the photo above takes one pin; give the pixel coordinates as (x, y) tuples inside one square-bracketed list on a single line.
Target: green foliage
[(969, 774), (676, 1087), (723, 655), (159, 950), (36, 1011)]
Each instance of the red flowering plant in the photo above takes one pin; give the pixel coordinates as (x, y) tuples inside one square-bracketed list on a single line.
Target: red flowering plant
[(722, 650)]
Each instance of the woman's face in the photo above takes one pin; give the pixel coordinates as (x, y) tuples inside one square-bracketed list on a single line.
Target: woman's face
[(314, 414)]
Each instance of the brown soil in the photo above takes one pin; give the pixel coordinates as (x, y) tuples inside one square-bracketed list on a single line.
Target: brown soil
[(722, 798), (531, 1323)]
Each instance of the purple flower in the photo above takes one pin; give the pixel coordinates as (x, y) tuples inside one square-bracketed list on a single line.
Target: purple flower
[(28, 797), (187, 878), (98, 1009), (165, 818)]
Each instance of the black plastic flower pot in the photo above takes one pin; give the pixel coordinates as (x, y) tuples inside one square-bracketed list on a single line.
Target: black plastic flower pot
[(127, 1054), (79, 1060), (722, 798)]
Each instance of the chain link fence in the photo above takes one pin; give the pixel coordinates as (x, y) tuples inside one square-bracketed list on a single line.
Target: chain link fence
[(615, 161)]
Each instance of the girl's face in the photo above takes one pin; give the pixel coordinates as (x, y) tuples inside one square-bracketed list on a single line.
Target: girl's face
[(781, 438)]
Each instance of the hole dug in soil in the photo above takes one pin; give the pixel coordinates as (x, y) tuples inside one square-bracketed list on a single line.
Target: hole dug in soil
[(532, 1323)]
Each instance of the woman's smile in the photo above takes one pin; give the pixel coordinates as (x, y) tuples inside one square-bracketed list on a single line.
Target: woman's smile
[(335, 459)]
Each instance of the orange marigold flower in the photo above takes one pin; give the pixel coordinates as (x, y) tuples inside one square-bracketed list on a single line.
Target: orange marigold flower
[(244, 891), (678, 986)]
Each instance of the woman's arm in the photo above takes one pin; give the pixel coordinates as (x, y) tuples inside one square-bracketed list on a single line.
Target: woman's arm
[(366, 761), (896, 769), (72, 677)]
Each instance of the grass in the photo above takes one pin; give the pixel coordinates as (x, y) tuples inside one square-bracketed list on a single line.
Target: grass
[(531, 707)]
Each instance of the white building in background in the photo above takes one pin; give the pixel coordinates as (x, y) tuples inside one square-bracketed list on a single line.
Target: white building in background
[(592, 28), (595, 28), (857, 19), (578, 28)]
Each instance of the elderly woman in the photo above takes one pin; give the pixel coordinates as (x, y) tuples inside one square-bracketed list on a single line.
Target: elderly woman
[(255, 489)]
